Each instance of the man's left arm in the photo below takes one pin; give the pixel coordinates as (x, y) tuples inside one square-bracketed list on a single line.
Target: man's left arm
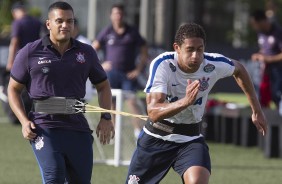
[(105, 129), (244, 81), (141, 64), (273, 58)]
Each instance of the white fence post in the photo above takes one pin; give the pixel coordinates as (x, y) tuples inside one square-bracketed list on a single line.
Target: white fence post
[(118, 118)]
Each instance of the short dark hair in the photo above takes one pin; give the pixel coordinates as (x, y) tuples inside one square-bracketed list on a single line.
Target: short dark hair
[(258, 15), (18, 5), (60, 5), (118, 6), (189, 30)]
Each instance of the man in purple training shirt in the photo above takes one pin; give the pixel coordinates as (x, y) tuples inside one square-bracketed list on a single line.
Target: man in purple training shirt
[(270, 54), (56, 68), (121, 44), (24, 29)]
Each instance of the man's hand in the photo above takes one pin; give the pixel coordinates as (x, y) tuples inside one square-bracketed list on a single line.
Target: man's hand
[(133, 74), (192, 90), (107, 66), (27, 132), (258, 57), (260, 122), (105, 131)]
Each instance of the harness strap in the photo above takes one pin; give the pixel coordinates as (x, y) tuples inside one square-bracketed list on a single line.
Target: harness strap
[(58, 105), (164, 128)]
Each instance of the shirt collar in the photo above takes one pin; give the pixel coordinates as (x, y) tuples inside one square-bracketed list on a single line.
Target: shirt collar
[(46, 42)]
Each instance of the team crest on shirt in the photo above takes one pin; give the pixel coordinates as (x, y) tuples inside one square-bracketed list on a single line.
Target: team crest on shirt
[(39, 143), (172, 67), (209, 68), (80, 57), (204, 84), (133, 179)]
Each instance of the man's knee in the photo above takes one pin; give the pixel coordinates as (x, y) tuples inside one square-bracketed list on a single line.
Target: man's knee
[(196, 175)]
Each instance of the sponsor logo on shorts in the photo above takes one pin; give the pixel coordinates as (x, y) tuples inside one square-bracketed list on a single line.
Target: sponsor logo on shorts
[(133, 179), (204, 84), (80, 57), (209, 68), (39, 143)]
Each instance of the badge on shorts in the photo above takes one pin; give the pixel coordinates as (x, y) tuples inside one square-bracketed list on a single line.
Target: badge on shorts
[(39, 143), (133, 179), (80, 57), (209, 68)]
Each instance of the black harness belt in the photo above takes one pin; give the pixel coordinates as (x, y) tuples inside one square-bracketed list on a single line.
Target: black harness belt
[(164, 128), (58, 105)]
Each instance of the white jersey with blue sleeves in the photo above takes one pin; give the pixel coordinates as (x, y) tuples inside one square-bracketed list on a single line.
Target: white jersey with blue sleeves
[(166, 77)]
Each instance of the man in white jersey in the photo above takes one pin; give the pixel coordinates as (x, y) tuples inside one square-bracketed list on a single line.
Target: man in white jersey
[(177, 91)]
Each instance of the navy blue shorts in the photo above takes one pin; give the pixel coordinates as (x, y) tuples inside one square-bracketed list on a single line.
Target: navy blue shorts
[(64, 156), (154, 157), (119, 80)]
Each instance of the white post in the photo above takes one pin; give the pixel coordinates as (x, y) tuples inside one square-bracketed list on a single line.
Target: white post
[(143, 28), (91, 19), (119, 99)]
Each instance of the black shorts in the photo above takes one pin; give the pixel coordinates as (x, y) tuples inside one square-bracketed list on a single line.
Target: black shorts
[(154, 157)]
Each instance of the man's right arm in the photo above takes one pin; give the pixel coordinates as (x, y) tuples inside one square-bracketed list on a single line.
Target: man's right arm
[(105, 129), (15, 102), (159, 110)]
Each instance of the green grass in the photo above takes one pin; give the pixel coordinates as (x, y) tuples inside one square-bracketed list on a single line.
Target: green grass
[(230, 164), (230, 97), (238, 98)]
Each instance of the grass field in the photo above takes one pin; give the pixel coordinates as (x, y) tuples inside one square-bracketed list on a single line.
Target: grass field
[(230, 164)]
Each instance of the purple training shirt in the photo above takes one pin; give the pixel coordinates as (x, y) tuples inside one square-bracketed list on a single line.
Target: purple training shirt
[(121, 50), (46, 73), (26, 29)]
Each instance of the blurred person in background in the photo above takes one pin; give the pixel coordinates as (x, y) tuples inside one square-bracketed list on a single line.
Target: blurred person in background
[(269, 55), (24, 29), (121, 44), (176, 94)]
